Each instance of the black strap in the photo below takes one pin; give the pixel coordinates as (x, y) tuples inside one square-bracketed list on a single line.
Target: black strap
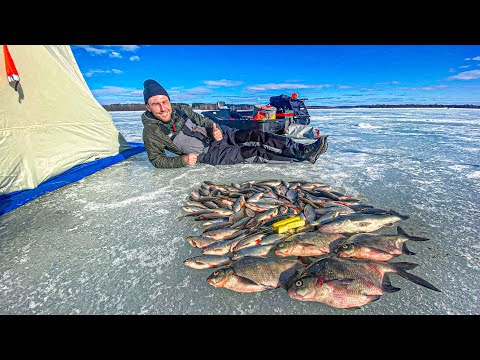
[(171, 135), (166, 131)]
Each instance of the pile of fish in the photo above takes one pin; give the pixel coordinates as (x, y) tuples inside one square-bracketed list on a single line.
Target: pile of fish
[(334, 258)]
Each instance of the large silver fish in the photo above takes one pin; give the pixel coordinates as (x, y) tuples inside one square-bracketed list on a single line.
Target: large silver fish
[(377, 246), (222, 247), (356, 223), (256, 251), (207, 261), (200, 241), (252, 274), (349, 283), (311, 243)]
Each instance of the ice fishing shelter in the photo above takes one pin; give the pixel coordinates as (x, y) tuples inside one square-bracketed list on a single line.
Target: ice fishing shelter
[(49, 120)]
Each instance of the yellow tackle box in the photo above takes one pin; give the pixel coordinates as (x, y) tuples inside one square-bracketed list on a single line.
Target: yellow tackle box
[(284, 225), (285, 221)]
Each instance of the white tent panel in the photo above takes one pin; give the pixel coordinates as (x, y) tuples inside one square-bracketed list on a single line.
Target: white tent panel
[(53, 122)]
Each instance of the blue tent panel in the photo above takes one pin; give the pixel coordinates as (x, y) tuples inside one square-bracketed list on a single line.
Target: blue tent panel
[(16, 199)]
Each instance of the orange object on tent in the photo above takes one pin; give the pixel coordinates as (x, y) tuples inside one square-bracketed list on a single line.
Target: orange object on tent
[(12, 73)]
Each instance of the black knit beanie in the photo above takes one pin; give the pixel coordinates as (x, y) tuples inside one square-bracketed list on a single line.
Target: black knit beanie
[(152, 88)]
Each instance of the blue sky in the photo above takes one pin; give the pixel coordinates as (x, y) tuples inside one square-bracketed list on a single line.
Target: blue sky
[(330, 75)]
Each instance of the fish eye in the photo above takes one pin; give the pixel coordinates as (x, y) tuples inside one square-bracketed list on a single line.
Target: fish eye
[(345, 246), (298, 283), (281, 245), (215, 273)]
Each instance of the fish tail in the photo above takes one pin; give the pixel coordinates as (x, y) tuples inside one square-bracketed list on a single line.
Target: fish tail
[(410, 237), (400, 270), (406, 251)]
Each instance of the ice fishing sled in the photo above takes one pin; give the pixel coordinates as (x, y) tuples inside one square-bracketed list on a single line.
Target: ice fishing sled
[(284, 115)]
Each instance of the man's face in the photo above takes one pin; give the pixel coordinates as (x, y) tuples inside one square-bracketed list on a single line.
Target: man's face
[(160, 107)]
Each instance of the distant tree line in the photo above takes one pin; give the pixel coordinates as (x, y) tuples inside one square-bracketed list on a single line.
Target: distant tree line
[(395, 106), (126, 107), (208, 106)]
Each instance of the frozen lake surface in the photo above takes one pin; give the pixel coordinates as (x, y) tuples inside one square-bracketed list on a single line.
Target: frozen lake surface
[(111, 243)]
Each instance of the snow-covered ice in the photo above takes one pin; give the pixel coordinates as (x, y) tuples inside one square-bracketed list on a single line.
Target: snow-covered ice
[(111, 243)]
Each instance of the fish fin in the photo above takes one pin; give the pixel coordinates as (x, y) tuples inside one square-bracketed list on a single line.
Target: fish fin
[(308, 246), (387, 285), (403, 217), (305, 260), (415, 279), (246, 280), (403, 265), (379, 251), (371, 298), (406, 251), (340, 282), (410, 237)]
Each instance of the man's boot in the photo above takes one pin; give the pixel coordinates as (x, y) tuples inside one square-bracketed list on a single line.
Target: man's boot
[(314, 150)]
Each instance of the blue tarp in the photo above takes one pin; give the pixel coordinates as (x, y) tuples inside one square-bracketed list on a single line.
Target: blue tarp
[(16, 199)]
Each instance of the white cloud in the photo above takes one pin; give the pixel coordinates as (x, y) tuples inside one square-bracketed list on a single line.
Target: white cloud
[(115, 54), (109, 91), (284, 86), (466, 75), (223, 82), (393, 82), (198, 90), (92, 50), (437, 87), (129, 47), (476, 58), (104, 49), (134, 58), (266, 87), (124, 47), (92, 72), (425, 88)]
